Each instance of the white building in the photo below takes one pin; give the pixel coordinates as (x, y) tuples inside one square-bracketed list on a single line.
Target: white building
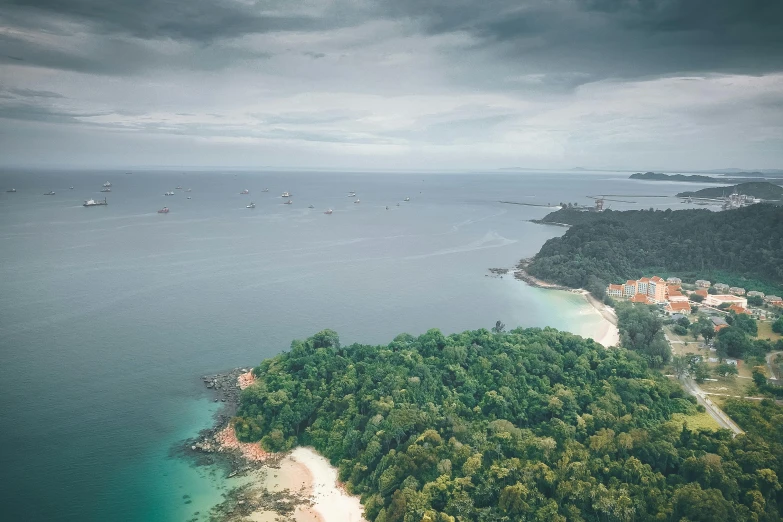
[(702, 283), (719, 299)]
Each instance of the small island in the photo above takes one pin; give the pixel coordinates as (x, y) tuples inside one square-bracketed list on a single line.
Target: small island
[(759, 189), (656, 176)]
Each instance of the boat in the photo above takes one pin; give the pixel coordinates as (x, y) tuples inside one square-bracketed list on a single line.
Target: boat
[(164, 210), (265, 190), (70, 188), (387, 207), (286, 195), (251, 205), (189, 197), (179, 188), (311, 206), (50, 193), (169, 194), (352, 194), (407, 199), (398, 204), (328, 211), (289, 202), (93, 203), (245, 192), (358, 201), (11, 190), (106, 189), (189, 190), (107, 184)]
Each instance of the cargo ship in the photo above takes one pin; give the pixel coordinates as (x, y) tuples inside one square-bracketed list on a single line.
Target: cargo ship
[(93, 203)]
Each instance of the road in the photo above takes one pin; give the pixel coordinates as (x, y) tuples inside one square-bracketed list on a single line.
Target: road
[(723, 420)]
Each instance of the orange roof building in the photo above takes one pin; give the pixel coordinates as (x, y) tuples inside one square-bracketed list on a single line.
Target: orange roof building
[(639, 298), (702, 292), (737, 309), (679, 307)]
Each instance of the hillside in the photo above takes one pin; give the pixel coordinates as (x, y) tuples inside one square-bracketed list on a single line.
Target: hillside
[(526, 425), (616, 246), (655, 176), (759, 189)]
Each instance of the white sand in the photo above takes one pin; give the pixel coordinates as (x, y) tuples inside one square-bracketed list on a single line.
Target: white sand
[(331, 501)]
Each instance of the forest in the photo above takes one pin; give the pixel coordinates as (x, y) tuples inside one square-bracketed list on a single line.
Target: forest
[(531, 424), (613, 246), (759, 189)]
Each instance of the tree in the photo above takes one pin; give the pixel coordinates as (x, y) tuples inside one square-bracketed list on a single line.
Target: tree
[(680, 365), (684, 322), (755, 300), (499, 327), (727, 370), (758, 377), (777, 326), (680, 330), (744, 322), (696, 298), (733, 342)]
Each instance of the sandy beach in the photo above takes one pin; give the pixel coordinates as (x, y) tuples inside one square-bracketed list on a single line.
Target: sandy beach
[(609, 334)]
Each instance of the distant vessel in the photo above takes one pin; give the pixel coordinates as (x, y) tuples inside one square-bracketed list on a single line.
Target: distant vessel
[(245, 192), (179, 188), (328, 211), (50, 193), (289, 202), (106, 189), (93, 203), (164, 210), (169, 194), (189, 197), (407, 199), (251, 205), (398, 204), (285, 195), (352, 194), (265, 190), (70, 188), (188, 190), (387, 207), (11, 190), (107, 184), (358, 201), (311, 206)]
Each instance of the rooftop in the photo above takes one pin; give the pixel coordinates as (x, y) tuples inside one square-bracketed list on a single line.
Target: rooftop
[(680, 306)]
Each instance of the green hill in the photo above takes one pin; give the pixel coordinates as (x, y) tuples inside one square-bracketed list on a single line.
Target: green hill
[(655, 176), (759, 189)]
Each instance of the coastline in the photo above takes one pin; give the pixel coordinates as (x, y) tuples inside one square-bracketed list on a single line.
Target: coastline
[(608, 334), (300, 485)]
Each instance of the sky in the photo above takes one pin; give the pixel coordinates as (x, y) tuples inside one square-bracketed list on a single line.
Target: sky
[(392, 84)]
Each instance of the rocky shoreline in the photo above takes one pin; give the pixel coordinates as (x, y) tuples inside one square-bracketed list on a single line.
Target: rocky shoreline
[(521, 273)]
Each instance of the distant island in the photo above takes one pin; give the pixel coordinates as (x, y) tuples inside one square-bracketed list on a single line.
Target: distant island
[(657, 176), (531, 424), (759, 189), (743, 246)]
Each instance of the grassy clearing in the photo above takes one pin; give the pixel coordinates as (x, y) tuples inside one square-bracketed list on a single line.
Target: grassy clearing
[(697, 421), (727, 386), (765, 331)]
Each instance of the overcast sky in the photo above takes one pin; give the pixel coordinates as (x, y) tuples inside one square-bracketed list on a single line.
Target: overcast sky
[(479, 84)]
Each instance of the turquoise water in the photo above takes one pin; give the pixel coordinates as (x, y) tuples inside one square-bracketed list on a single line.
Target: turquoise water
[(110, 315)]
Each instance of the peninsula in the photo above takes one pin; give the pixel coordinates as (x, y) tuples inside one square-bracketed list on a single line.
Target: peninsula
[(759, 189)]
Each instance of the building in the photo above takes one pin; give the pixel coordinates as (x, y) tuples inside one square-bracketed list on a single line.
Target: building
[(629, 288), (674, 280), (737, 309), (614, 290), (773, 299), (702, 292), (640, 298), (683, 308), (754, 293), (719, 299), (721, 287), (677, 317), (677, 297), (719, 323), (642, 285), (737, 290), (702, 283), (656, 289)]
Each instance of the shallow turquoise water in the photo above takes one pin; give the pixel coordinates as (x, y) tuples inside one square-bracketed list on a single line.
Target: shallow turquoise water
[(109, 316)]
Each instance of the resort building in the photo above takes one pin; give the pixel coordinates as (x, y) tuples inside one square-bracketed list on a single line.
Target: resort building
[(677, 297), (773, 299), (629, 288), (719, 323), (719, 299), (754, 293), (614, 291), (737, 309), (656, 289), (702, 283), (721, 287), (674, 280), (683, 308), (737, 290), (640, 298), (702, 292)]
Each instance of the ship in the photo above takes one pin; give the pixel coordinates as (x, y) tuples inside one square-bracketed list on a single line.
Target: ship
[(106, 189), (311, 206), (251, 205), (245, 192), (179, 187), (70, 188), (265, 190), (168, 194), (328, 211), (164, 210), (189, 197), (352, 194), (407, 199), (107, 184), (189, 190), (50, 193), (357, 201), (289, 202), (11, 190), (285, 195), (94, 203)]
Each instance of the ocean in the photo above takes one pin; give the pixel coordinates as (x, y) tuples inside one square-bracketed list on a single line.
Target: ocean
[(110, 315)]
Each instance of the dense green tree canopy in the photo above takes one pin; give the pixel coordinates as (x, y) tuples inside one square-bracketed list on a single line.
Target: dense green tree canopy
[(523, 425), (616, 246)]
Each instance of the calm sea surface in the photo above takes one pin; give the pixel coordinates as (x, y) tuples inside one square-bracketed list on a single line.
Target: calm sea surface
[(110, 315)]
